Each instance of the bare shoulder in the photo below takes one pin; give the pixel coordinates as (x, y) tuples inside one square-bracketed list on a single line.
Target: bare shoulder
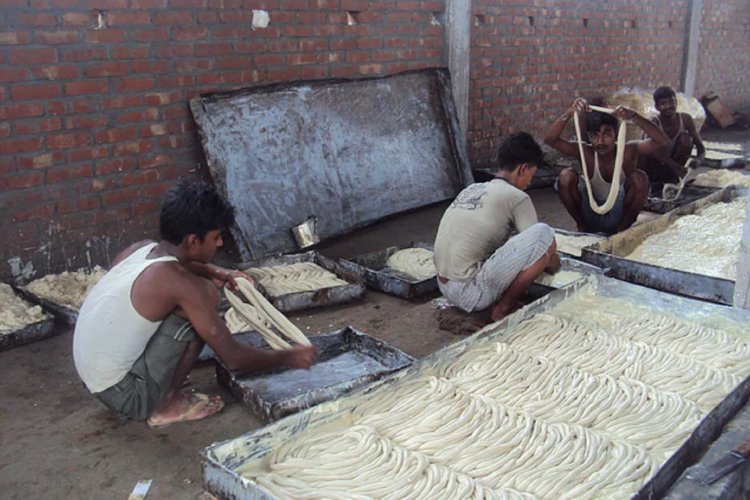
[(129, 250), (688, 120)]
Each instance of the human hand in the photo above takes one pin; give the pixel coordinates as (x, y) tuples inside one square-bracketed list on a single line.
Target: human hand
[(579, 106), (623, 113), (301, 356), (222, 276)]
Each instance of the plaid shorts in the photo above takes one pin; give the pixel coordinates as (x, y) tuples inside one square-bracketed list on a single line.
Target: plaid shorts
[(139, 393), (499, 270)]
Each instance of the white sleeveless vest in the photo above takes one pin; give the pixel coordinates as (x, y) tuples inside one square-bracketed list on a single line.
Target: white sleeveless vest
[(110, 335)]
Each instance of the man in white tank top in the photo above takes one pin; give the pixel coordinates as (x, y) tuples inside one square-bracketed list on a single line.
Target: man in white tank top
[(600, 161), (142, 326), (667, 164)]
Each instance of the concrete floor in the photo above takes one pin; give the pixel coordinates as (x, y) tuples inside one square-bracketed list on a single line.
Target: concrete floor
[(59, 442)]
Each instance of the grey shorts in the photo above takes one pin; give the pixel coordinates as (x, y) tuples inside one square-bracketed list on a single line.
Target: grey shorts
[(499, 270), (139, 393)]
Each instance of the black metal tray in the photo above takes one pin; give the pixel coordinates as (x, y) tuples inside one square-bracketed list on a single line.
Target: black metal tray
[(689, 194), (314, 298), (66, 314), (347, 359), (612, 253), (29, 333), (371, 267)]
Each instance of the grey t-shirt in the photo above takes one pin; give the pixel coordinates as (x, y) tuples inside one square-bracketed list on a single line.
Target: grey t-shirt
[(479, 221)]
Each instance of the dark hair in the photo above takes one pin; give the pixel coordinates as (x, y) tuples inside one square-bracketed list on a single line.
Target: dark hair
[(193, 208), (519, 148), (664, 93), (596, 119)]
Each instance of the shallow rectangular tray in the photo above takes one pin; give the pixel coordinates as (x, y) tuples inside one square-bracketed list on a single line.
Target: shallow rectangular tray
[(689, 195), (371, 267), (28, 334), (347, 359), (537, 290), (66, 314), (315, 298), (221, 462), (611, 253), (573, 233)]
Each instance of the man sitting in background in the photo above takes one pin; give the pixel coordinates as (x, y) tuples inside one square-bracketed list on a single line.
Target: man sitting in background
[(667, 164), (479, 263), (142, 326)]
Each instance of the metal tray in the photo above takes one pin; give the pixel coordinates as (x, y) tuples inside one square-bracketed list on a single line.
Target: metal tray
[(738, 162), (537, 289), (611, 253), (222, 461), (371, 267), (689, 194), (574, 233), (66, 314), (347, 359), (315, 298), (28, 334)]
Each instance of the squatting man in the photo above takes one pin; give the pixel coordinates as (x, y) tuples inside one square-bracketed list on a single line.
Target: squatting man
[(480, 262), (600, 168), (142, 326)]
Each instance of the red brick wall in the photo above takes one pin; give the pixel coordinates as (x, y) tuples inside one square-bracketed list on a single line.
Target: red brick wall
[(94, 118), (529, 60), (724, 52)]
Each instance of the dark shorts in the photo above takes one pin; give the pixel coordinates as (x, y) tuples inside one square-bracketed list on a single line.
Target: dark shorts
[(602, 223), (139, 393), (599, 223)]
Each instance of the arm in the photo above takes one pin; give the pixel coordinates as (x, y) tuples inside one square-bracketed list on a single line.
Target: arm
[(656, 137), (553, 138), (197, 299), (690, 126), (217, 274)]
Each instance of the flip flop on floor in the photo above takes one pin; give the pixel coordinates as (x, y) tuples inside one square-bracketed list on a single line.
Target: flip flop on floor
[(201, 406)]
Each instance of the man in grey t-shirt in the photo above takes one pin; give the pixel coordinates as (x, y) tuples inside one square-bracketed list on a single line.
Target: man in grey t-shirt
[(479, 261)]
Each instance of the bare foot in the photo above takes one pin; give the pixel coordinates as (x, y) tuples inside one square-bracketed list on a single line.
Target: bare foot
[(502, 310), (185, 408)]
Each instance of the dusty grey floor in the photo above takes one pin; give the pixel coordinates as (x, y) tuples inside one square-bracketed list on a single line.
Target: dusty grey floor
[(56, 441)]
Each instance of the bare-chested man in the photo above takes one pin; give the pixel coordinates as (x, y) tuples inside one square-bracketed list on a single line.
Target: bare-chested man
[(667, 164), (142, 326), (600, 161)]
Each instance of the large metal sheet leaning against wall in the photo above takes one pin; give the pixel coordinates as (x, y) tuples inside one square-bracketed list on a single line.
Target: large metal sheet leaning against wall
[(348, 151)]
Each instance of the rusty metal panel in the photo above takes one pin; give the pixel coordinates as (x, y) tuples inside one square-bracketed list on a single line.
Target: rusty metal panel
[(347, 151), (371, 267), (315, 298), (222, 462), (611, 253)]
